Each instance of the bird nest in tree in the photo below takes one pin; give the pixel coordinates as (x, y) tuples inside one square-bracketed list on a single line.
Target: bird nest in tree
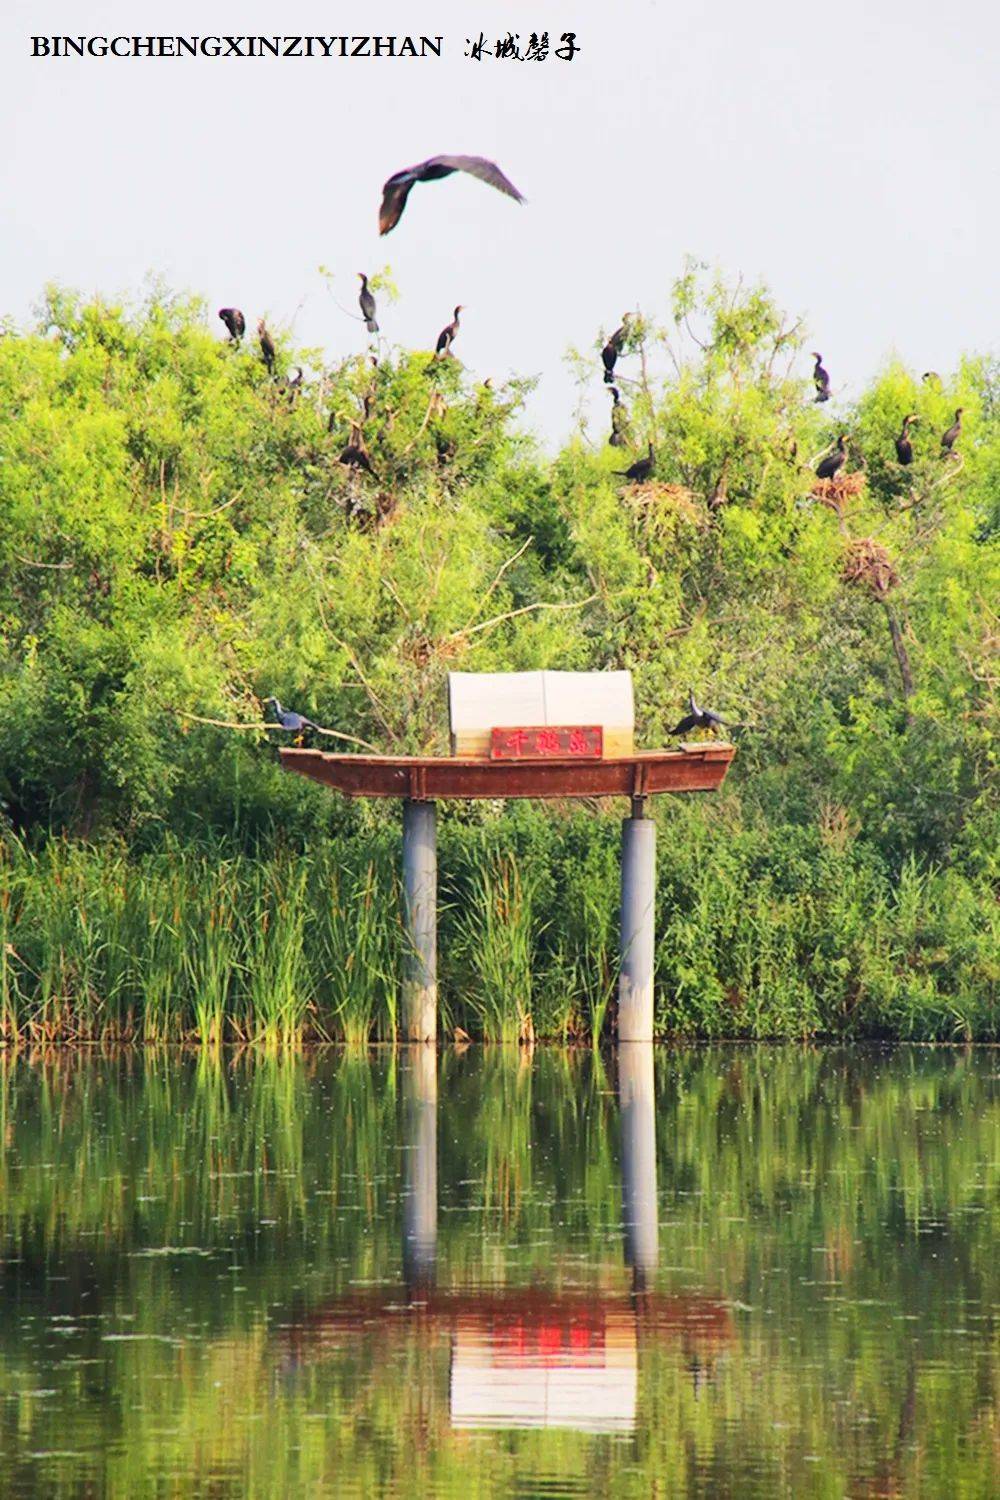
[(835, 493), (867, 562), (655, 502)]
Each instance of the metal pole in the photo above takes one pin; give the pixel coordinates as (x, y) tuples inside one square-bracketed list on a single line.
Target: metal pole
[(420, 896), (635, 981), (420, 1167), (640, 1218)]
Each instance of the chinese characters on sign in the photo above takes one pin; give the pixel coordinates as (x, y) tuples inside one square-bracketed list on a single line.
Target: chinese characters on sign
[(569, 742), (509, 48)]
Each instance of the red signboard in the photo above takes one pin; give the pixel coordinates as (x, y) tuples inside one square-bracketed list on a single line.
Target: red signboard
[(551, 742)]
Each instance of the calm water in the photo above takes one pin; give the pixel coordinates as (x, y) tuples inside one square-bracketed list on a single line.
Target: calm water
[(718, 1272)]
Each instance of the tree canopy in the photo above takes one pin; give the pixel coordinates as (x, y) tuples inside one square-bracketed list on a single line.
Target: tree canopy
[(179, 539)]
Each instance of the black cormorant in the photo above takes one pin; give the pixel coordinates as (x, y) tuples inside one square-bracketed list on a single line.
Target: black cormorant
[(698, 718), (950, 438), (821, 379), (234, 321), (612, 349), (447, 335), (396, 189), (288, 718), (904, 448), (828, 467), (619, 421), (367, 304), (641, 470), (267, 349)]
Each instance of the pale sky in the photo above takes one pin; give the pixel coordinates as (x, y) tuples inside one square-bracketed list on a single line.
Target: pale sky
[(847, 154)]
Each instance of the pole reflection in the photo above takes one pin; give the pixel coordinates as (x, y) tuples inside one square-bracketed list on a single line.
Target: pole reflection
[(640, 1217), (420, 1188)]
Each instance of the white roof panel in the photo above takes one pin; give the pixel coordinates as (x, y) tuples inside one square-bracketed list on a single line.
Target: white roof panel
[(502, 700)]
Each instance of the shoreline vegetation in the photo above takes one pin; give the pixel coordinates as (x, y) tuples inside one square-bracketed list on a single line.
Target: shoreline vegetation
[(202, 945), (183, 534)]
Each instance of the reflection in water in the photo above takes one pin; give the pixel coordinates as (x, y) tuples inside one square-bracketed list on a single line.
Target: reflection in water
[(420, 1203), (747, 1272), (640, 1219)]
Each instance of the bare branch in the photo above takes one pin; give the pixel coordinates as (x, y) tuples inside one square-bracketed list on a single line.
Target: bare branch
[(526, 609), (261, 728)]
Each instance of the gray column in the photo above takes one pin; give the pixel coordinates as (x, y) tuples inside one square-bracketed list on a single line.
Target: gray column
[(420, 896), (637, 1100), (635, 981), (419, 1066)]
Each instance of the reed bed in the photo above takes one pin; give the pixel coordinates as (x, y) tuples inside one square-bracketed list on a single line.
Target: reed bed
[(798, 936)]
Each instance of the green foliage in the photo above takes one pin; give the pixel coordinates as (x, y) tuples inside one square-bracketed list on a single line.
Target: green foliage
[(178, 539)]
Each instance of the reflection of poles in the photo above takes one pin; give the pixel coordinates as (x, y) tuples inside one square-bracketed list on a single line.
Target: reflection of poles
[(420, 1166), (638, 1111)]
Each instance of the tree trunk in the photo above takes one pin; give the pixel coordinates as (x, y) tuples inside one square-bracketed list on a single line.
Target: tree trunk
[(902, 658)]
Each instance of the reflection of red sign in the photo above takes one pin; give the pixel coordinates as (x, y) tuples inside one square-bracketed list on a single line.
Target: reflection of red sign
[(559, 742)]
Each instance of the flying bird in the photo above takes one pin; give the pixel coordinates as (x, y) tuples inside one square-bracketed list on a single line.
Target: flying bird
[(396, 189), (234, 321), (904, 447), (367, 304), (950, 437), (698, 718), (288, 718), (641, 470), (828, 467), (447, 335), (821, 379), (267, 349), (612, 349), (619, 421)]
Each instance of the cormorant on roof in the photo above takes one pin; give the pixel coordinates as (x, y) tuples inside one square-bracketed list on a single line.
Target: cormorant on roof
[(698, 718)]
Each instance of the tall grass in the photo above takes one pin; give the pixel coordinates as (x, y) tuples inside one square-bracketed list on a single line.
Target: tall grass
[(757, 935)]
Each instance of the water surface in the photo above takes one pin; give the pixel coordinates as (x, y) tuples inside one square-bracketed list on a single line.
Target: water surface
[(723, 1272)]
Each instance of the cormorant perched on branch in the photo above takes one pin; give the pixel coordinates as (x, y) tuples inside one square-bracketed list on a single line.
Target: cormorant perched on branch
[(234, 321), (641, 470), (292, 385), (821, 379), (288, 718), (904, 448), (267, 348), (367, 304), (354, 455), (619, 421), (829, 466), (447, 335), (950, 438), (396, 189), (698, 718), (612, 349)]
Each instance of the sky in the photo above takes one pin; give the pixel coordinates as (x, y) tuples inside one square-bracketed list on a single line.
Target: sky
[(845, 154)]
